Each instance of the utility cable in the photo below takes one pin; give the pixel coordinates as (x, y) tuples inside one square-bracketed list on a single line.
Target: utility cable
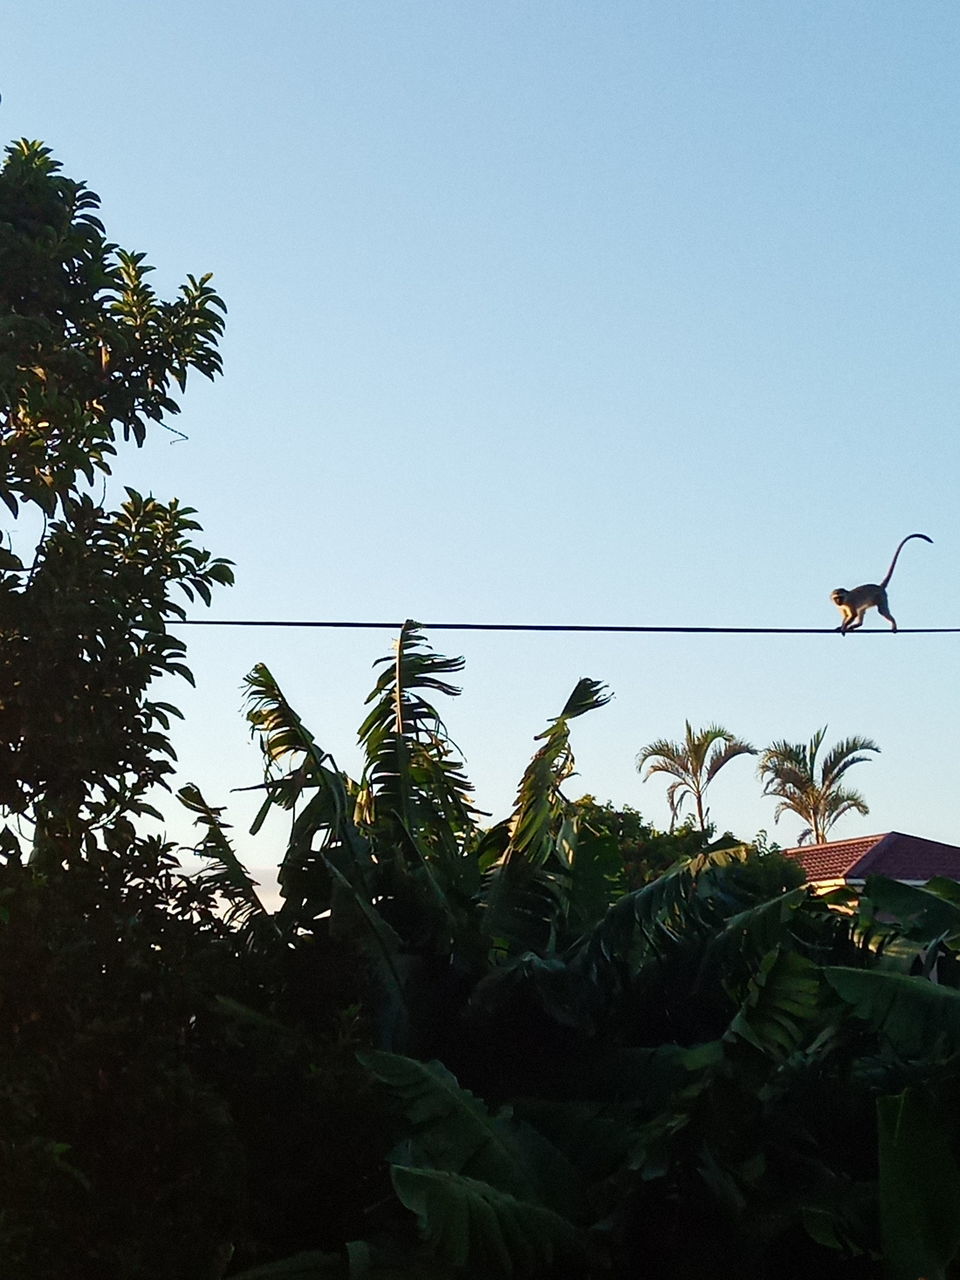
[(543, 626)]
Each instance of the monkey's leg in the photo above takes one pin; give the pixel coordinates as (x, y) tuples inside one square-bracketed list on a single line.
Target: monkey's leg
[(883, 608)]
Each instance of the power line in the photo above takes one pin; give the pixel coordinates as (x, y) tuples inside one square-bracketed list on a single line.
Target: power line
[(543, 626)]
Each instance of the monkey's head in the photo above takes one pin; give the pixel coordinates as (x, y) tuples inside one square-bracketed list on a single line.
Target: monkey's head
[(839, 596)]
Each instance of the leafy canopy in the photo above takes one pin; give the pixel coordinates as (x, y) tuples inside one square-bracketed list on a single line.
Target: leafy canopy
[(88, 355), (88, 352), (107, 953)]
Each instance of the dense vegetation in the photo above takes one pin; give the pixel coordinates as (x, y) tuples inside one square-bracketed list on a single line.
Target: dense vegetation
[(565, 1045)]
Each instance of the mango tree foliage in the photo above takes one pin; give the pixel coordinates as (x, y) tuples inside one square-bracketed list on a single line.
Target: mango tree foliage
[(105, 973), (116, 1160), (89, 355), (88, 352)]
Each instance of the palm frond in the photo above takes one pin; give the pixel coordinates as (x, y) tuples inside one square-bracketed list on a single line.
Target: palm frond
[(785, 759), (699, 742), (787, 780), (816, 742), (732, 748), (843, 757), (791, 801), (840, 803), (663, 761), (677, 792)]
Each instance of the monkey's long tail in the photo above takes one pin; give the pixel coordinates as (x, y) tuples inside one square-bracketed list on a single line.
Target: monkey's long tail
[(893, 562)]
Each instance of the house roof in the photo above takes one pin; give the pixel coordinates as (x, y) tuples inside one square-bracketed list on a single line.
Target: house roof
[(893, 854)]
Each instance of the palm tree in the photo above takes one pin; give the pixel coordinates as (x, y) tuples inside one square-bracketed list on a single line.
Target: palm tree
[(694, 763), (790, 770)]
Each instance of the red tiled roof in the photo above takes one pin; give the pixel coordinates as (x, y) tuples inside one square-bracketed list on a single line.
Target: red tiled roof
[(831, 861), (909, 858), (894, 854)]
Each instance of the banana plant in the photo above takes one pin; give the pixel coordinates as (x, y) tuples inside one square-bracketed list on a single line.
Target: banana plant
[(530, 889), (671, 1055), (397, 862), (489, 1195)]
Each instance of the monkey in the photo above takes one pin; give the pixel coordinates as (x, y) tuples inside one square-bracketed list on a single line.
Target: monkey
[(855, 603)]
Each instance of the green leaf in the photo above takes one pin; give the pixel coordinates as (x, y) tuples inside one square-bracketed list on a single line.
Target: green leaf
[(922, 913), (687, 901), (312, 1265), (386, 945), (451, 1129), (757, 930), (596, 871), (481, 1231), (919, 1187), (225, 872), (916, 1015), (781, 1006), (527, 896), (282, 732), (413, 776)]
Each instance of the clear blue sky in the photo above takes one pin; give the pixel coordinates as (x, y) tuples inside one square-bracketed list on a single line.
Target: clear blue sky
[(635, 313)]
